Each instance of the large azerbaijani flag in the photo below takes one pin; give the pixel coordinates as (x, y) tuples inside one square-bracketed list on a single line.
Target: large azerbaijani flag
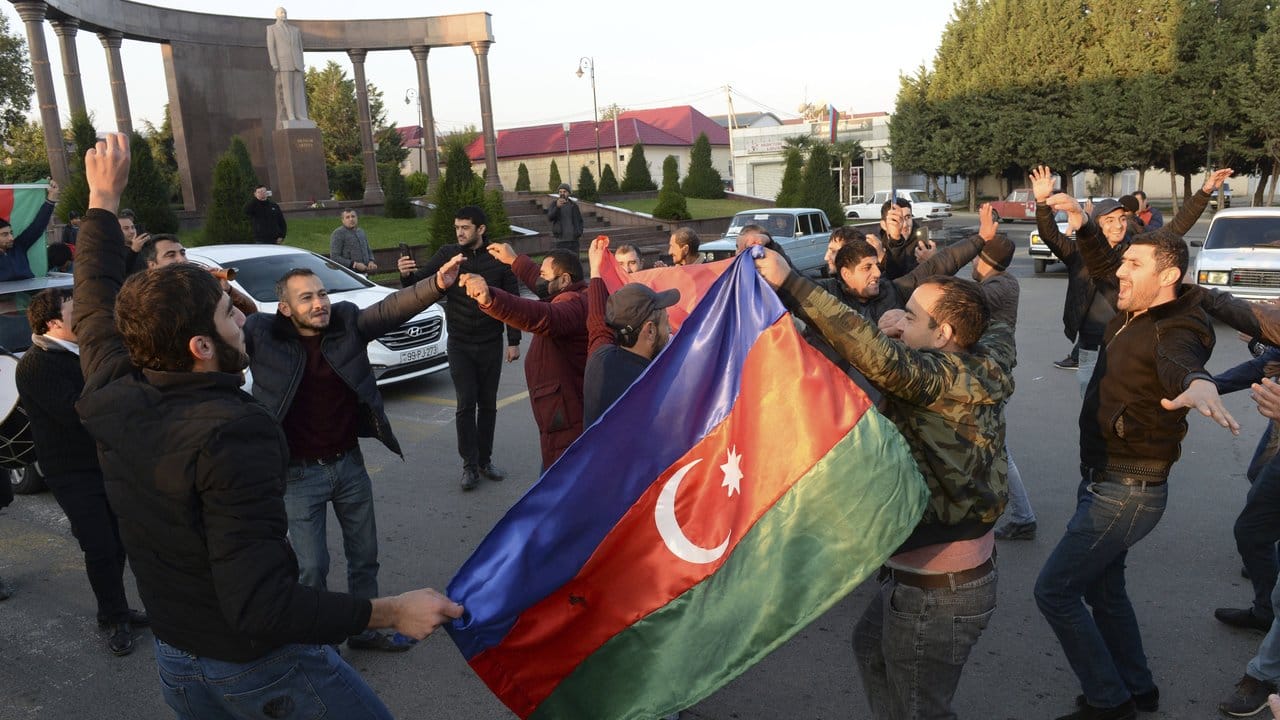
[(740, 488), (19, 205)]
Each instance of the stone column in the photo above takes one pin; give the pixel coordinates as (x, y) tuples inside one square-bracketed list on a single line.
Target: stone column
[(66, 29), (372, 188), (428, 115), (32, 14), (486, 114), (115, 70)]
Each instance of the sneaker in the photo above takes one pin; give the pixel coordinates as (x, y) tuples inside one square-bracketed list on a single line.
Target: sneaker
[(1067, 363), (1243, 618), (493, 472), (374, 640), (1126, 711), (1145, 702), (1017, 531), (1249, 697), (470, 479)]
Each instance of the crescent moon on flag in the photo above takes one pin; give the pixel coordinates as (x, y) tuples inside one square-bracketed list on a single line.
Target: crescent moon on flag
[(669, 528)]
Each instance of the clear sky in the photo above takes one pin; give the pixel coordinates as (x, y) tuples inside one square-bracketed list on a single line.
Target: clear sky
[(648, 54)]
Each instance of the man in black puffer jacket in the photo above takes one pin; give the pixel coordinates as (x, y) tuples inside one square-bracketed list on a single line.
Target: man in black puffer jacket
[(195, 468), (475, 342)]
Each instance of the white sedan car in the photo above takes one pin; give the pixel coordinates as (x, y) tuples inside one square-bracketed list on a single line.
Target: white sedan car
[(417, 348), (1241, 253)]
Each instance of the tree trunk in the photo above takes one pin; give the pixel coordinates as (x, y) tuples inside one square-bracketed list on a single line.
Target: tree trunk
[(1186, 185), (973, 195), (1173, 184), (1142, 178), (1271, 199), (1262, 187)]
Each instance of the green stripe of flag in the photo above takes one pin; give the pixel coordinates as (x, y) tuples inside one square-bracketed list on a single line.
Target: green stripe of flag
[(836, 526), (27, 200)]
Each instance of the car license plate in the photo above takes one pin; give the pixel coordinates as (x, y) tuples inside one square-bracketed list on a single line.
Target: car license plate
[(422, 353)]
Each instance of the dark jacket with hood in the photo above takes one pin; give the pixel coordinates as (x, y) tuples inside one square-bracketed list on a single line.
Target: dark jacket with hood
[(195, 470), (278, 358)]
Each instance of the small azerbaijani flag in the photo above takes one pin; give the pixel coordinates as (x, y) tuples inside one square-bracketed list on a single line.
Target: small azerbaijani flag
[(706, 518), (19, 205)]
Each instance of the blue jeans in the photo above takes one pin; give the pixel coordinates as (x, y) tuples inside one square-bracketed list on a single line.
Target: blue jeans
[(1266, 664), (293, 681), (1019, 508), (1105, 648), (306, 497), (912, 643), (1084, 370)]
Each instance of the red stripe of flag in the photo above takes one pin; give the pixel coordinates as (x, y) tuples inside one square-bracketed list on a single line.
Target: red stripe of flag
[(633, 572), (692, 281), (6, 203)]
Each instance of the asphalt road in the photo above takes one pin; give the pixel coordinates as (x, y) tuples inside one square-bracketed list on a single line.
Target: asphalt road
[(53, 661)]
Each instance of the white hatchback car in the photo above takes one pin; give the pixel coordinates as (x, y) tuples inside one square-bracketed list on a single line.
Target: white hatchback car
[(417, 348), (1241, 253)]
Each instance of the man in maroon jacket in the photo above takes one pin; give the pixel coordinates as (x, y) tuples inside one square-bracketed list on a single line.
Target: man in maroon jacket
[(558, 353)]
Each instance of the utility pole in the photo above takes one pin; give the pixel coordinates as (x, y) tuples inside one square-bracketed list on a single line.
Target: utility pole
[(733, 125)]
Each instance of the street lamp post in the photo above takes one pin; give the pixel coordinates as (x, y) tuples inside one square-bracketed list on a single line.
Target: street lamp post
[(590, 64), (409, 96), (567, 168)]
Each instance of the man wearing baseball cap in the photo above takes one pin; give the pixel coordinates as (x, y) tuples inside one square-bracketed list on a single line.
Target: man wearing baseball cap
[(626, 330)]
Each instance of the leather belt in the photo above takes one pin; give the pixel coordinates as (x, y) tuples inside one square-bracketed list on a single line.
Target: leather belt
[(942, 580), (333, 459), (1130, 475)]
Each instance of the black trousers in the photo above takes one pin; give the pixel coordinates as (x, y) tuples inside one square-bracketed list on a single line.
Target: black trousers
[(83, 498), (1257, 530), (476, 369)]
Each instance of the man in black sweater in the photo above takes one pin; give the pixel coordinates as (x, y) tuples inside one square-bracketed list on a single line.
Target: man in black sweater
[(266, 218), (475, 342), (49, 383), (201, 502)]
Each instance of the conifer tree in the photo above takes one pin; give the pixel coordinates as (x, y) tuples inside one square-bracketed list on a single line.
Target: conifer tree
[(637, 177), (147, 193), (75, 196), (608, 182), (790, 195), (395, 189), (495, 210), (554, 183), (587, 185), (703, 180), (522, 178), (225, 221), (819, 189), (459, 187), (671, 204)]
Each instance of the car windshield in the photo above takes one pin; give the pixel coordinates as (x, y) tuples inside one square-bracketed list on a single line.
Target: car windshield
[(915, 197), (1243, 232), (778, 224), (258, 276)]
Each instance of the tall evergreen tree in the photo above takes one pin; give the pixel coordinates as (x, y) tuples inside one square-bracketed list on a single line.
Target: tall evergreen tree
[(147, 192), (395, 191), (703, 180), (459, 187), (818, 187), (522, 178), (608, 182), (637, 177), (225, 221), (554, 181), (75, 197), (791, 192), (1263, 105), (495, 209), (671, 204), (587, 185)]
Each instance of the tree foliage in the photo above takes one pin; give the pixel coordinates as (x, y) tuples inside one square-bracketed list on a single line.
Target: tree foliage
[(790, 194), (395, 192), (147, 192), (636, 177), (608, 181), (164, 153), (417, 183), (522, 178), (587, 185), (554, 181), (671, 203), (495, 209), (26, 159), (703, 180), (818, 187), (225, 221), (16, 81), (75, 196), (458, 187), (331, 103)]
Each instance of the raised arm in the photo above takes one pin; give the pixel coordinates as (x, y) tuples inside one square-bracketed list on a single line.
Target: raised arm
[(599, 334), (555, 319), (396, 309), (1193, 208), (100, 264), (40, 224)]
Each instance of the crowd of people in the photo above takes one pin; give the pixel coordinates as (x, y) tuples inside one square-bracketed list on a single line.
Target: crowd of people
[(222, 516)]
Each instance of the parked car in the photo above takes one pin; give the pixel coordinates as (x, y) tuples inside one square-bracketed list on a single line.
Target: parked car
[(1020, 205), (802, 232), (921, 205), (1226, 197), (1041, 252), (416, 349), (1241, 253)]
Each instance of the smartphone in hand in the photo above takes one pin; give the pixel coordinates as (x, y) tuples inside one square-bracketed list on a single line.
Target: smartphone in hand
[(405, 251)]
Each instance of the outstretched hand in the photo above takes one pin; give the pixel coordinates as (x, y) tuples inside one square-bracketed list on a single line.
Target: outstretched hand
[(1215, 179), (1042, 183), (596, 252), (447, 275), (106, 167), (502, 252), (1202, 395)]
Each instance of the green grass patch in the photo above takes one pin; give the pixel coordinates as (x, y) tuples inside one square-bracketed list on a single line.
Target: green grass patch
[(698, 207), (313, 233)]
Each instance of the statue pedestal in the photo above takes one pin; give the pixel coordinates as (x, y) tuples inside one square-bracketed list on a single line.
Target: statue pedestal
[(300, 171)]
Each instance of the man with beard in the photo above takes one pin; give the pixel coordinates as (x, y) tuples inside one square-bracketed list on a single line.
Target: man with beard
[(475, 342), (1130, 436), (558, 352), (311, 369), (626, 331), (200, 502), (14, 264)]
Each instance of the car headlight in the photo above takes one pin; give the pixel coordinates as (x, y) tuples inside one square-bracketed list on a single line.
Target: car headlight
[(1213, 277), (1035, 238)]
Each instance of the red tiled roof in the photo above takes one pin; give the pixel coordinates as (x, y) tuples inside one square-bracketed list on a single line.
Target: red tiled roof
[(550, 140), (410, 135), (683, 121)]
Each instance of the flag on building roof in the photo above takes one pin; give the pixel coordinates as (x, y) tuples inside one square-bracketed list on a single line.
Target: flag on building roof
[(703, 521)]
